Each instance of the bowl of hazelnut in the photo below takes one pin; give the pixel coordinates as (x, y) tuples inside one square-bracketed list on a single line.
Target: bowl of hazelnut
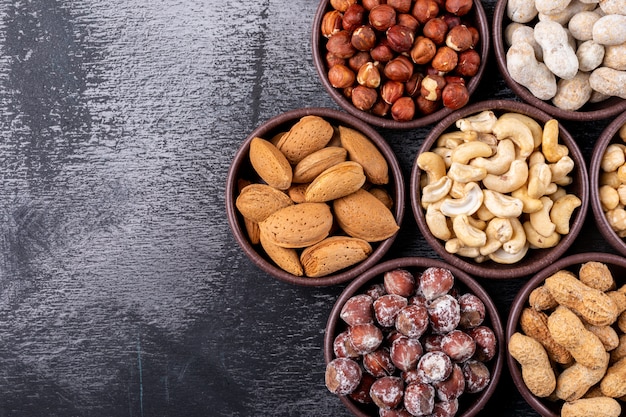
[(400, 64), (411, 337), (607, 179), (566, 337), (499, 189), (565, 58), (314, 196)]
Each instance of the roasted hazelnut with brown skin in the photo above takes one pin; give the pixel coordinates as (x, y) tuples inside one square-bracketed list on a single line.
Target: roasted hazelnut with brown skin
[(413, 86), (403, 109), (401, 6), (358, 309), (400, 38), (432, 86), (368, 75), (332, 59), (382, 52), (363, 97), (363, 38), (424, 10), (342, 5), (445, 59), (353, 17), (459, 38), (451, 20), (382, 17), (387, 392), (341, 76), (475, 35), (331, 23), (340, 45), (459, 7), (454, 95), (342, 376), (391, 91), (399, 69), (358, 60), (425, 106), (436, 29), (370, 4), (408, 21), (380, 108), (469, 63), (423, 50)]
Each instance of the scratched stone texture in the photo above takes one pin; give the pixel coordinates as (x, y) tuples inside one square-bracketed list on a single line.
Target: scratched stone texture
[(122, 291)]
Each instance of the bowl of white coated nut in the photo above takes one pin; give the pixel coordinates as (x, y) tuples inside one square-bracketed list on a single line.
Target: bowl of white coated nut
[(568, 59), (607, 173), (499, 189)]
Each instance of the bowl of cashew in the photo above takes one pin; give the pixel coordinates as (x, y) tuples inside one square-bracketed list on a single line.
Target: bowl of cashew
[(607, 179), (499, 189), (565, 58)]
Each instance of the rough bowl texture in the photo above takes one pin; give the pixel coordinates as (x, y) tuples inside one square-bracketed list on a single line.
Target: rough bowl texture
[(608, 136), (535, 259), (616, 264), (469, 404), (590, 111), (318, 41), (241, 167)]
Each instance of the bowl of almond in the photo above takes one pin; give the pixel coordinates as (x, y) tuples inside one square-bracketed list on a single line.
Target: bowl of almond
[(566, 337), (314, 196)]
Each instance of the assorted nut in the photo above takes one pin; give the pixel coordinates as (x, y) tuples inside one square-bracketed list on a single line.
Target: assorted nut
[(496, 187), (569, 52), (612, 186), (572, 348), (427, 345), (380, 54), (319, 202)]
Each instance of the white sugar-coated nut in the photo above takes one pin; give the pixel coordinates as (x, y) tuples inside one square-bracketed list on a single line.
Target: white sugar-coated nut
[(613, 6), (590, 55), (610, 30), (558, 55), (581, 25), (524, 68), (609, 81), (563, 17), (574, 93), (551, 6), (521, 11), (527, 34), (615, 57)]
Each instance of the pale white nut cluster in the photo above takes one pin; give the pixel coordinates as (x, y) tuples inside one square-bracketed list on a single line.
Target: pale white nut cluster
[(568, 51), (496, 187), (612, 186)]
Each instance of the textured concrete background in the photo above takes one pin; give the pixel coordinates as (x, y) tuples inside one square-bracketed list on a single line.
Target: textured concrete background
[(122, 291)]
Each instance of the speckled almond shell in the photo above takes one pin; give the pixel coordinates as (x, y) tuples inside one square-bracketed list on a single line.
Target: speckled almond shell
[(334, 254), (309, 134), (257, 201), (337, 181), (363, 151), (298, 226), (362, 215), (319, 161), (285, 258), (270, 163)]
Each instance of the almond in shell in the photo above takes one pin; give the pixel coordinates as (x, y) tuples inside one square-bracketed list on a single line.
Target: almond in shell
[(270, 163), (314, 164), (299, 225), (257, 201), (362, 150), (309, 134), (362, 215), (334, 254), (336, 182), (285, 258), (296, 192), (252, 227)]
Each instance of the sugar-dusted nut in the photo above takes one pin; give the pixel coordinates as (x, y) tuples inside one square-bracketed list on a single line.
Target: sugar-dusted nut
[(486, 343), (515, 177), (534, 323), (286, 258), (564, 16), (472, 311), (362, 392), (366, 337), (258, 201), (405, 353), (335, 182), (309, 134), (412, 320), (526, 70), (468, 204), (500, 162), (537, 372), (362, 215), (342, 376), (453, 387), (387, 307), (271, 165), (458, 345), (446, 408), (609, 81), (419, 399), (576, 380), (342, 346), (362, 150), (435, 282), (477, 376), (444, 313), (298, 226), (592, 407), (357, 310), (610, 29), (378, 363), (317, 162), (387, 392), (399, 281), (434, 366)]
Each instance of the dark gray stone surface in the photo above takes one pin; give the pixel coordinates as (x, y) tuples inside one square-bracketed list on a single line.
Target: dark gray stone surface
[(122, 290)]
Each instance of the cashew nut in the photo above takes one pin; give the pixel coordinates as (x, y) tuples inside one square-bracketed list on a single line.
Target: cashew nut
[(484, 214), (437, 222), (436, 191), (498, 231), (467, 205), (468, 234), (561, 169), (609, 198), (502, 205), (613, 157), (500, 162), (458, 189), (518, 240), (503, 257), (453, 139), (511, 180), (537, 240), (470, 150), (444, 153), (530, 205), (562, 211), (532, 124), (518, 132), (610, 178), (558, 193), (455, 246), (550, 142), (432, 164), (539, 179), (540, 220), (482, 122), (466, 173)]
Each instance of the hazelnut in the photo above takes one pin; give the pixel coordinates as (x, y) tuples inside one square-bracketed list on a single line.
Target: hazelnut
[(432, 342), (445, 59), (434, 366), (342, 346), (358, 310), (413, 86), (432, 86), (340, 76), (455, 95), (399, 281), (436, 29), (444, 313), (362, 393), (408, 21), (469, 63), (472, 311), (376, 291), (382, 17), (382, 52), (380, 108), (331, 23), (424, 10), (342, 376), (477, 376), (392, 91), (363, 38), (370, 4), (365, 338), (363, 98), (451, 79), (451, 20), (412, 320), (399, 69), (378, 363), (405, 353), (458, 345), (368, 75), (358, 60), (340, 44), (419, 399), (485, 340), (387, 307), (387, 392), (459, 7), (353, 17), (342, 5), (401, 6), (403, 109), (425, 106), (453, 387), (400, 38), (435, 282), (459, 38), (332, 59), (475, 35)]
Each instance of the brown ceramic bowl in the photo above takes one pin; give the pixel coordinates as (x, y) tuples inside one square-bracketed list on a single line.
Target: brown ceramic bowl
[(616, 264), (469, 404), (590, 111), (608, 136), (535, 259), (242, 169), (477, 18)]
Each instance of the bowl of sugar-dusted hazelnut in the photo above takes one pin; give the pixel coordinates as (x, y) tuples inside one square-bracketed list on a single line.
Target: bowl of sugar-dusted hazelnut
[(400, 64), (314, 196), (566, 337), (499, 189), (413, 337), (565, 58)]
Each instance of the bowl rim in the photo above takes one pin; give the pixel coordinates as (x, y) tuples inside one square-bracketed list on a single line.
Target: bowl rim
[(240, 159), (388, 123), (521, 300), (618, 104), (606, 137), (504, 271), (421, 262)]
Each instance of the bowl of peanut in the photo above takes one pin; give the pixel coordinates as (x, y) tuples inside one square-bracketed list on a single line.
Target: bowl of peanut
[(400, 64), (565, 58), (499, 189), (566, 337), (607, 179), (314, 196), (412, 337)]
